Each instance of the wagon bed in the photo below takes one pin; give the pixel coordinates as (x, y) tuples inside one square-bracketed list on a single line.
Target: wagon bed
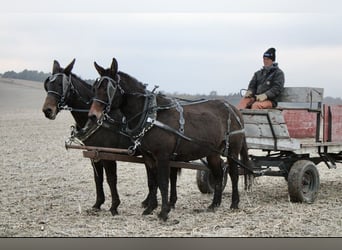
[(300, 124)]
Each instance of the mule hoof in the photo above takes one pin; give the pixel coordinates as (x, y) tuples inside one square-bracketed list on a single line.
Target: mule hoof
[(163, 216), (150, 207), (234, 206), (147, 211), (114, 212), (97, 205), (212, 208), (144, 203), (172, 205), (96, 208)]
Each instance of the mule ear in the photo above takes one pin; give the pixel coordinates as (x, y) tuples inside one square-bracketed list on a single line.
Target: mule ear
[(114, 67), (99, 69), (55, 67), (68, 68)]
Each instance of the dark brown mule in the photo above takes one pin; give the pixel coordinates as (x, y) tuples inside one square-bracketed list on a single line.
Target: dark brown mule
[(171, 131), (67, 91)]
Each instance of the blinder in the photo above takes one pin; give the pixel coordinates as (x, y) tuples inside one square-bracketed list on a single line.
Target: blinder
[(112, 87), (66, 86)]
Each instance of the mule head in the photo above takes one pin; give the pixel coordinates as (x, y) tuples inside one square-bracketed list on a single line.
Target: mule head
[(57, 87), (107, 91)]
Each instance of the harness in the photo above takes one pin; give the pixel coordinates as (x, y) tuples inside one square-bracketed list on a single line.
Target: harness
[(148, 118)]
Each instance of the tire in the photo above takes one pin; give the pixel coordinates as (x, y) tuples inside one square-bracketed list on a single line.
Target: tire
[(303, 182), (204, 179)]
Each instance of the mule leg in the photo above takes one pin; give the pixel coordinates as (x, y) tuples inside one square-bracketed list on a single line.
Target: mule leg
[(151, 203), (98, 177), (234, 176), (144, 203), (173, 187), (163, 174), (110, 167), (215, 165)]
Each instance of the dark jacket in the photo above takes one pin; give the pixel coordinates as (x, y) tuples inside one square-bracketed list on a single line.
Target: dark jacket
[(268, 81)]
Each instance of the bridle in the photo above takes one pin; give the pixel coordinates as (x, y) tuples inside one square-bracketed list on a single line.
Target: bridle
[(112, 87), (67, 87)]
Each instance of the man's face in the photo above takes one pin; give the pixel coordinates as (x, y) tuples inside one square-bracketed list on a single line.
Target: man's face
[(267, 62)]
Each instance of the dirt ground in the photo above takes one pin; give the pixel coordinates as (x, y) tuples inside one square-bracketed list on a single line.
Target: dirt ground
[(47, 191)]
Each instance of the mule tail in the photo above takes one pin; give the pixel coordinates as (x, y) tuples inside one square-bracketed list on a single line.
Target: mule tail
[(248, 172)]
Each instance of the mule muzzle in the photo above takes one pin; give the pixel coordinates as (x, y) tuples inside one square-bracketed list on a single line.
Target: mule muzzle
[(49, 113), (96, 111)]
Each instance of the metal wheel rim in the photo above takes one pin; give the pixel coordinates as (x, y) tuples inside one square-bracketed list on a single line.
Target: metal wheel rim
[(308, 182)]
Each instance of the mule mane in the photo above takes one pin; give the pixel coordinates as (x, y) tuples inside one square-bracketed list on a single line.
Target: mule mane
[(81, 86), (130, 84)]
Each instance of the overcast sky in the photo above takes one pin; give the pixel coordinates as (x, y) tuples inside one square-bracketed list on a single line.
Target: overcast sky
[(184, 46)]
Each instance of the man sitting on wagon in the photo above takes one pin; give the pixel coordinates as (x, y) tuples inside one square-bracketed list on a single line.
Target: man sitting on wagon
[(265, 86)]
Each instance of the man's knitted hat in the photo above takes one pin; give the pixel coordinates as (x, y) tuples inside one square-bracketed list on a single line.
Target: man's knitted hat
[(270, 53)]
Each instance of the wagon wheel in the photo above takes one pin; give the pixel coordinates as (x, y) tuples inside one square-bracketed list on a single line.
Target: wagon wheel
[(303, 182), (205, 180)]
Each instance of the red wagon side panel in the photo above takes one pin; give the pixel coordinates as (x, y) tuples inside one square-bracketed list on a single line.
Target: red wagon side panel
[(332, 123), (300, 123)]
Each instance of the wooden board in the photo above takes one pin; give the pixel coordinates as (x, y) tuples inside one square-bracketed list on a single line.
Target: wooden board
[(301, 95), (269, 144), (266, 129)]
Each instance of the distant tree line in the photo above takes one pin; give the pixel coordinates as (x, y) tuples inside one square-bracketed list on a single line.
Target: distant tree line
[(39, 76), (31, 75)]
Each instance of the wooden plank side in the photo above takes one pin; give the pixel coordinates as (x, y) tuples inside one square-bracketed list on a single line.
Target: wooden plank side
[(332, 121), (301, 95), (300, 123), (257, 116), (264, 130), (268, 144), (326, 122)]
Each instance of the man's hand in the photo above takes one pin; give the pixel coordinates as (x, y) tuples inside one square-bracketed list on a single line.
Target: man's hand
[(261, 97), (248, 94)]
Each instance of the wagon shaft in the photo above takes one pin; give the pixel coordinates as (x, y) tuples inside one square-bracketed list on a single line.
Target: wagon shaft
[(118, 154)]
